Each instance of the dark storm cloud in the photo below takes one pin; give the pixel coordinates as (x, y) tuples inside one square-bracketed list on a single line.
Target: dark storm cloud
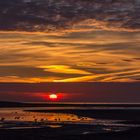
[(46, 15)]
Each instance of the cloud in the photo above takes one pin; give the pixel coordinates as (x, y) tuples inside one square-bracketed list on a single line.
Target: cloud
[(64, 69), (59, 15), (93, 56), (79, 79), (30, 74), (123, 76)]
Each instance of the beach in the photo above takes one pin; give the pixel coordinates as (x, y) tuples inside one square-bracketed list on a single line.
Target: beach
[(70, 122)]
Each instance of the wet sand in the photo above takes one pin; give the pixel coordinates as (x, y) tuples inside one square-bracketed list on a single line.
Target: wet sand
[(61, 134), (71, 124), (120, 114)]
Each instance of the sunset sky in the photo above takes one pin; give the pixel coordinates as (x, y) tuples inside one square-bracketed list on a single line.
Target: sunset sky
[(70, 41)]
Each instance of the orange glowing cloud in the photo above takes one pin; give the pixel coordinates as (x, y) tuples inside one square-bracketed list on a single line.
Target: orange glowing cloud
[(64, 69)]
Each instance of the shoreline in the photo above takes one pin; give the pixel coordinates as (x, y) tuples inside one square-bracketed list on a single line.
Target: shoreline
[(4, 104), (99, 114)]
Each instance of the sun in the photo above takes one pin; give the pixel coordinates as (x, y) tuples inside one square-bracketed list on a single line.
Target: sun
[(53, 96)]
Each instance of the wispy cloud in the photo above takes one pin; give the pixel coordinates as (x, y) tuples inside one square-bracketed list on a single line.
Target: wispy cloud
[(57, 44), (64, 69), (92, 56)]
